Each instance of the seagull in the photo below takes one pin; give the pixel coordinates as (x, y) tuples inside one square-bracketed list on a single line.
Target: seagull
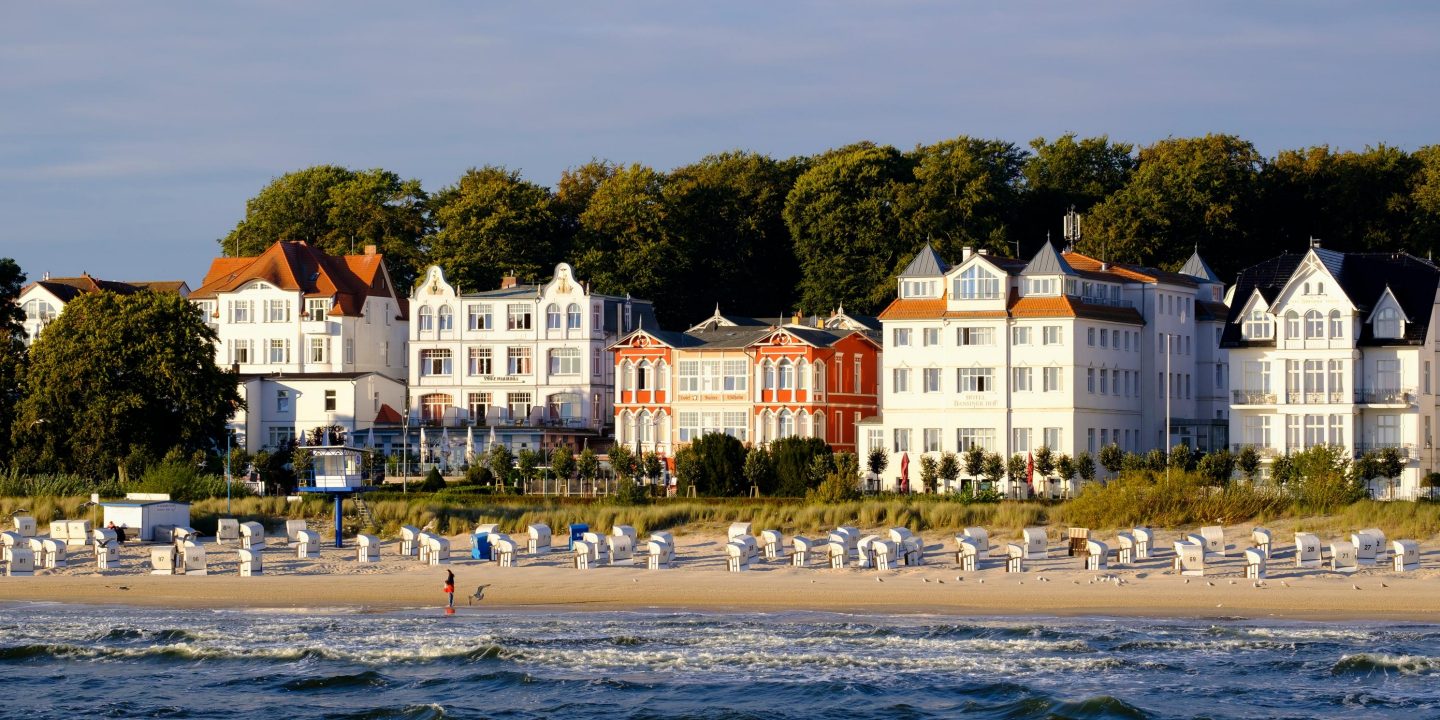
[(1232, 582), (959, 578), (1219, 604), (1282, 582), (982, 581), (1209, 584), (634, 580), (926, 579), (879, 579), (1187, 581), (942, 582), (1355, 587), (1384, 585)]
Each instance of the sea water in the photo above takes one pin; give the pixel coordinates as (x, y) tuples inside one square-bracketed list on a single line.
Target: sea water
[(88, 662)]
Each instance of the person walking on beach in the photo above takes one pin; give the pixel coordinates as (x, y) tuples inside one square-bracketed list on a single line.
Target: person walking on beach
[(450, 588)]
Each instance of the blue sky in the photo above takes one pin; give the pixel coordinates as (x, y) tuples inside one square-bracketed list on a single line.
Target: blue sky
[(131, 134)]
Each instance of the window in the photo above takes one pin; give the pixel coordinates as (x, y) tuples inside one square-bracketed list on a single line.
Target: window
[(1337, 325), (1090, 380), (240, 311), (1020, 440), (1314, 430), (277, 311), (856, 387), (1337, 379), (1314, 325), (930, 337), (689, 381), (572, 316), (45, 312), (1051, 378), (565, 361), (975, 336), (517, 317), (330, 401), (1425, 379), (1257, 326), (1292, 325), (282, 401), (349, 347), (975, 379), (1051, 335), (434, 363), (316, 308), (784, 424), (1020, 336), (931, 382), (1104, 337), (479, 316), (1387, 430), (478, 404), (932, 440), (917, 288), (517, 361), (1292, 432), (281, 436), (279, 351), (737, 376), (1387, 323), (518, 403), (1337, 430), (1104, 381), (446, 316), (900, 380), (553, 319), (737, 425), (1052, 438), (1020, 379), (1040, 286), (966, 438), (900, 337), (1314, 380), (975, 283), (874, 438), (689, 425), (786, 375), (240, 352), (1090, 337), (427, 319), (1387, 375), (644, 376), (480, 362), (902, 440), (317, 349), (1256, 376)]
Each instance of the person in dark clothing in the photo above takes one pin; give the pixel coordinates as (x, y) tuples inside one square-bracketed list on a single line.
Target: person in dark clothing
[(450, 587)]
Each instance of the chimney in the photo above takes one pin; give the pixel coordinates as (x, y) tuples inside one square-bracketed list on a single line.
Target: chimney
[(984, 252), (966, 252), (369, 249), (1314, 242), (796, 319), (509, 281)]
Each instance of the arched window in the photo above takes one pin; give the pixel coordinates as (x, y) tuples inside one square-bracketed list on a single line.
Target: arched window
[(624, 434), (626, 378), (802, 375), (643, 377), (427, 318), (644, 427), (1292, 325), (572, 316), (39, 310), (766, 431), (787, 375), (785, 425), (820, 429), (1257, 326), (662, 376), (1337, 325), (435, 406), (447, 318), (1387, 323), (975, 283), (769, 369), (802, 424), (1314, 324), (552, 317)]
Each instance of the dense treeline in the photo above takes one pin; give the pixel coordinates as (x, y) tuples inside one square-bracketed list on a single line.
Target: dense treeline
[(766, 237)]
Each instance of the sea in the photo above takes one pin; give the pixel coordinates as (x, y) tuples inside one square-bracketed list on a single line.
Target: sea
[(66, 661)]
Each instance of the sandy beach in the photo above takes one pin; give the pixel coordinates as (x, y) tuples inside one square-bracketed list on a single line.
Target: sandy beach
[(1056, 586)]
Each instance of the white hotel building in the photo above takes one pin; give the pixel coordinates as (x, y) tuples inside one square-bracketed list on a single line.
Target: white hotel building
[(1064, 351), (1333, 348), (523, 356)]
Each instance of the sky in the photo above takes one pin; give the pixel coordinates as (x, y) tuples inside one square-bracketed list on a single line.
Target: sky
[(131, 134)]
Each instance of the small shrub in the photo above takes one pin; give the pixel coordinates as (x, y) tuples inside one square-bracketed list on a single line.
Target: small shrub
[(432, 482)]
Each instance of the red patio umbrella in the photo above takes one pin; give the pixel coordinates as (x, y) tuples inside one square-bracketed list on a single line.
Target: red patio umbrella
[(905, 472), (1030, 471)]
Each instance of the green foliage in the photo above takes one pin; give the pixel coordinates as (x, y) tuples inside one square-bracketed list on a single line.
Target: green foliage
[(687, 469), (1085, 467), (1156, 460), (975, 462), (562, 462), (1248, 461), (13, 484), (929, 473), (1181, 457), (964, 193), (526, 461), (722, 465), (1065, 468), (433, 482), (1217, 467), (878, 460), (628, 492), (121, 377), (1185, 499), (1112, 458), (651, 467), (1321, 480), (491, 223), (12, 350), (760, 470), (837, 487), (1015, 467), (501, 463), (623, 462), (992, 468), (794, 460), (1069, 173), (949, 469), (479, 476), (183, 482), (1044, 461), (588, 465)]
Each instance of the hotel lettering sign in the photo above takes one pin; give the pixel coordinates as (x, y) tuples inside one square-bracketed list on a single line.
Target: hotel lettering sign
[(499, 378)]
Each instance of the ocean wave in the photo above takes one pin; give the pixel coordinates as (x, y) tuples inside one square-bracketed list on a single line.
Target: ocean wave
[(1371, 663), (429, 711), (367, 679)]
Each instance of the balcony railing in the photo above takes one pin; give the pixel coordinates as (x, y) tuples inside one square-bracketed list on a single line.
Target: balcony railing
[(1407, 451), (1264, 451), (1253, 397), (1402, 396)]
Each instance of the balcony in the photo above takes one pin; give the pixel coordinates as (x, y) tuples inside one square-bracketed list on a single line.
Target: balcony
[(320, 327), (1407, 451), (1252, 397), (1264, 451), (1403, 396)]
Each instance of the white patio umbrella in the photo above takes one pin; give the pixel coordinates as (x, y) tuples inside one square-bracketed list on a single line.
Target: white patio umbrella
[(491, 442), (470, 444), (445, 447), (370, 439), (424, 447)]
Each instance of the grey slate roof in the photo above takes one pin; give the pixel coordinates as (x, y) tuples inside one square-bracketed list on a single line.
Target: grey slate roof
[(927, 263), (1048, 262), (1196, 267)]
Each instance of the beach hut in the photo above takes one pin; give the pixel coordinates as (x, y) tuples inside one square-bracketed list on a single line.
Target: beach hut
[(480, 546), (1343, 558), (55, 553), (774, 543), (438, 552), (1365, 545), (1190, 558), (20, 562), (737, 530), (162, 560), (1097, 555), (252, 536), (980, 538), (577, 532), (622, 549), (107, 549), (293, 528), (737, 556), (1255, 563), (409, 537), (1015, 558), (599, 548), (583, 553), (1407, 555), (1381, 547), (866, 557), (141, 517), (1077, 540), (1307, 550), (1261, 537), (367, 548), (539, 539), (1144, 542), (1214, 537), (193, 559), (503, 548), (1125, 552), (1037, 543), (659, 553), (10, 540), (227, 530), (887, 554), (967, 553), (24, 526), (839, 552), (307, 544), (250, 562), (800, 557)]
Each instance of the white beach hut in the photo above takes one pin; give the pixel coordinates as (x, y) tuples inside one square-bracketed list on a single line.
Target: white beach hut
[(622, 549), (56, 553), (1190, 558), (1307, 550), (25, 526), (539, 536), (1214, 537), (658, 553), (1381, 547), (980, 537), (107, 549), (367, 548), (307, 544), (142, 517), (1255, 563), (1407, 555), (1037, 543), (293, 528)]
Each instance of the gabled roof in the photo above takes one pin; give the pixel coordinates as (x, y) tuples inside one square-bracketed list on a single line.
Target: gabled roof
[(819, 337), (1121, 272), (1067, 306), (926, 263), (66, 289), (298, 267), (1196, 267), (719, 320), (1048, 262)]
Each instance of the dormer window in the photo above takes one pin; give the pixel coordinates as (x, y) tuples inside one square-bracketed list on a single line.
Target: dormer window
[(917, 288), (1041, 286), (975, 283), (1387, 323), (1257, 326), (39, 310)]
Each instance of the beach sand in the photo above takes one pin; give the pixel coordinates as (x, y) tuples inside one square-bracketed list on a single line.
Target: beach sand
[(1056, 586)]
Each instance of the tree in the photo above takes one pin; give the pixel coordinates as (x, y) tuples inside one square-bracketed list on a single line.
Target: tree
[(491, 223), (965, 193), (588, 465), (337, 209), (1425, 197), (1354, 200), (652, 467), (432, 482), (1065, 468), (993, 468), (1085, 467), (929, 473), (1182, 457), (562, 462), (526, 462), (1044, 461), (12, 350), (1112, 458), (949, 468), (1391, 463), (572, 195), (878, 461), (687, 469), (759, 471), (1015, 467), (502, 464), (1217, 467), (1249, 463), (1430, 482), (975, 463), (1068, 173), (793, 459), (722, 464), (844, 221), (623, 462), (1156, 460), (122, 376)]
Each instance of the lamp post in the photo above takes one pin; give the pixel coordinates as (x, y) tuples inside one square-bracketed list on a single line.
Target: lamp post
[(228, 477), (1169, 390), (405, 451)]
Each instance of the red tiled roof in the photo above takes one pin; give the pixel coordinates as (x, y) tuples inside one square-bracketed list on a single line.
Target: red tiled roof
[(298, 267), (1085, 263), (387, 415)]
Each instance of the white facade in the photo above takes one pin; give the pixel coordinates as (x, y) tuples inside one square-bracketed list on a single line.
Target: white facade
[(1337, 349), (526, 355), (1065, 352), (42, 301)]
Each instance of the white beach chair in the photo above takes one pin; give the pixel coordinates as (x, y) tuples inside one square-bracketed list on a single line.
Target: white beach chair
[(38, 548), (227, 530), (1307, 550), (839, 553), (802, 549), (1343, 558), (1015, 558), (539, 539), (751, 545), (980, 538), (56, 552), (737, 556), (1407, 555), (1365, 545), (1261, 537), (659, 554), (599, 548), (251, 563), (21, 562), (293, 529), (25, 526), (967, 553), (1214, 536), (1381, 546), (193, 558), (1097, 555), (409, 541), (625, 530), (307, 544), (107, 549), (621, 549), (1144, 542), (866, 556), (1255, 563), (852, 539), (252, 536), (437, 550), (503, 548), (10, 540), (367, 548), (423, 546), (774, 544), (162, 560), (1125, 554), (584, 554), (909, 545), (886, 553), (1190, 558), (737, 530), (487, 529), (1037, 543)]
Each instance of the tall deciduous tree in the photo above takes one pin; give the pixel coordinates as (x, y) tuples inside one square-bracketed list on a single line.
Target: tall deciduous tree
[(1350, 200), (337, 209), (623, 244), (844, 220), (1067, 172), (120, 379), (12, 350), (490, 223), (965, 193)]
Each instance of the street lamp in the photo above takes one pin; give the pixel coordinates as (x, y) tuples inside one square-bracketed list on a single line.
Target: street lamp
[(405, 451)]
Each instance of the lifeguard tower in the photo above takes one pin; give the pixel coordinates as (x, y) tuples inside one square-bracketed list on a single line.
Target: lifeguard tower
[(339, 471)]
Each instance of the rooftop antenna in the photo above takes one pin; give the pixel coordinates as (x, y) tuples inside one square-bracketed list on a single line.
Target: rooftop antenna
[(1072, 227), (1016, 243)]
